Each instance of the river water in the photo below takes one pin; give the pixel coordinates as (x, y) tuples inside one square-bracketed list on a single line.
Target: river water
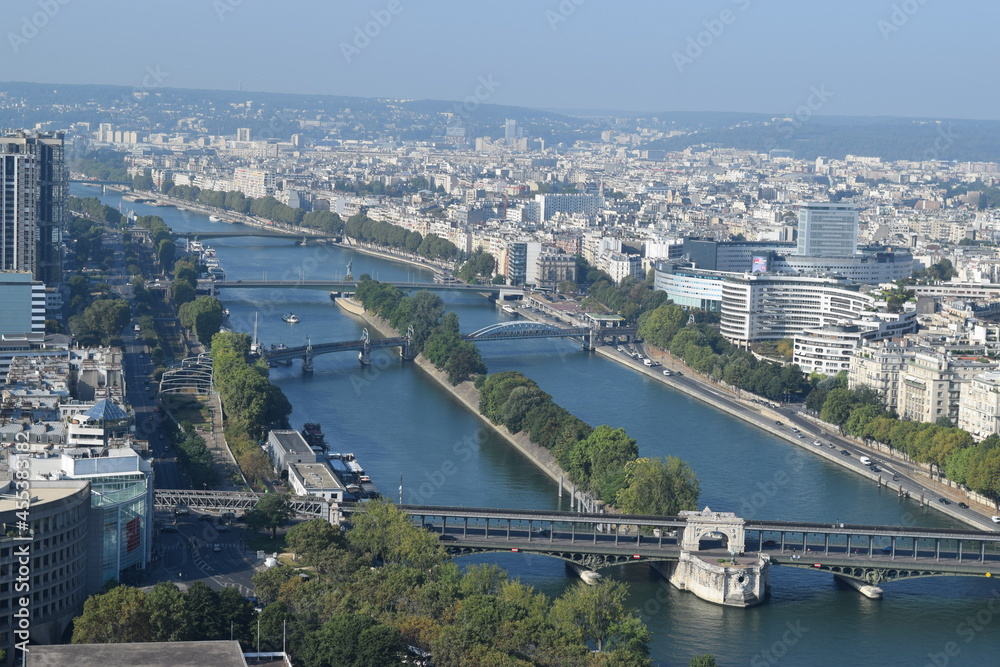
[(401, 424)]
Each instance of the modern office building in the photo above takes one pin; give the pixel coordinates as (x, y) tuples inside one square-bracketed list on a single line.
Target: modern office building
[(828, 350), (55, 546), (690, 287), (570, 204), (827, 229), (22, 303), (285, 447), (47, 181), (761, 306)]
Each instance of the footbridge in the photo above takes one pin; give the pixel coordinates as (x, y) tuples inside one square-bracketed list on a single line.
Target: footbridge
[(235, 501), (867, 554), (521, 330)]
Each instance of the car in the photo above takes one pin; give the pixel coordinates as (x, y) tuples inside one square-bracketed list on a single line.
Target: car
[(831, 445), (799, 436), (447, 538), (944, 501), (963, 506), (769, 543), (795, 430), (180, 510), (845, 452), (216, 548), (996, 519), (817, 443), (887, 550), (778, 423), (667, 373)]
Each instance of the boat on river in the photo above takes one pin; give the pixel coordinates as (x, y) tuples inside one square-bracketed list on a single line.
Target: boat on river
[(291, 318), (214, 218)]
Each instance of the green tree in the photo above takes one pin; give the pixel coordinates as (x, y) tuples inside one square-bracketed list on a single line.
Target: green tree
[(386, 534), (654, 486), (271, 512), (182, 292), (118, 616), (837, 406), (169, 620), (355, 640), (597, 614), (311, 538), (703, 660)]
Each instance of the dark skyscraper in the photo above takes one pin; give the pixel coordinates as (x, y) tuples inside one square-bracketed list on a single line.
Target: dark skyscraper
[(47, 186)]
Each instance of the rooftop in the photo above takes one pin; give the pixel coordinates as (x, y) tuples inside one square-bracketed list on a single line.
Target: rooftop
[(150, 654)]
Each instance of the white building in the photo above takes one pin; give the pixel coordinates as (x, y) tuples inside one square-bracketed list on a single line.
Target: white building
[(570, 204), (254, 183), (979, 405), (619, 265), (827, 229)]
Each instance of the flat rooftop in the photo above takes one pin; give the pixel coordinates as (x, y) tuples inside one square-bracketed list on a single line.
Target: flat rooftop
[(292, 442), (316, 476), (151, 654)]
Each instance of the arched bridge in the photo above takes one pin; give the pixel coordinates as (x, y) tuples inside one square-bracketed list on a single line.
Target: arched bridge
[(519, 330), (868, 554)]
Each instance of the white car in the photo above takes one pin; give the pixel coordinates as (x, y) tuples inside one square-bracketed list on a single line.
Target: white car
[(996, 519)]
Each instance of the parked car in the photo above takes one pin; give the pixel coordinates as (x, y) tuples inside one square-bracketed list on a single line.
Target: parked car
[(216, 548)]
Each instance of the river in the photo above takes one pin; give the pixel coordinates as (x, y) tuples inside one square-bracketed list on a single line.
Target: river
[(400, 423)]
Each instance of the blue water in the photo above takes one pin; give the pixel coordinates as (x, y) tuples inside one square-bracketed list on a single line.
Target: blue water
[(400, 423)]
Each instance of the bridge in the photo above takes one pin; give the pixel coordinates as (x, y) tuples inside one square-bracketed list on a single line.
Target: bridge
[(520, 330), (867, 554), (351, 285), (262, 233)]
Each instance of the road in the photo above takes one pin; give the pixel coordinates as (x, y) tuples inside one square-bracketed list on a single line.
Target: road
[(188, 554)]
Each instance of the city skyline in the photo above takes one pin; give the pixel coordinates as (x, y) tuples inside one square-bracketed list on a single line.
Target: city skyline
[(853, 58)]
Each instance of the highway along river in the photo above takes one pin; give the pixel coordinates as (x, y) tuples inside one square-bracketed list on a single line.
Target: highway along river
[(399, 422)]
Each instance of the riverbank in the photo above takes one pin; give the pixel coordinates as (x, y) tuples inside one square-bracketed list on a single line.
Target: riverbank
[(468, 396)]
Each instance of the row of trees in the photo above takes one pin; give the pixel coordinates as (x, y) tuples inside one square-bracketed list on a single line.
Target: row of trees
[(630, 298), (251, 402), (95, 210), (165, 614), (704, 349), (602, 460), (352, 613), (363, 228), (435, 333), (101, 322), (160, 234), (196, 460), (951, 451)]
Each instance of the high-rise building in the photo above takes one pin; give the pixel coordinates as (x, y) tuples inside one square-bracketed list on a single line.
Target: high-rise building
[(828, 229), (34, 203), (18, 197), (22, 304), (244, 134), (510, 130)]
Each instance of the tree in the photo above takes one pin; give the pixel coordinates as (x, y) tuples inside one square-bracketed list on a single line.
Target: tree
[(654, 486), (267, 583), (386, 534), (182, 292), (169, 620), (837, 406), (311, 538), (118, 616), (271, 512), (597, 614), (703, 660), (202, 605), (355, 640)]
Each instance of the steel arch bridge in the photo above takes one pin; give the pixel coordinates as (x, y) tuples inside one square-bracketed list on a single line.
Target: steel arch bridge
[(520, 329)]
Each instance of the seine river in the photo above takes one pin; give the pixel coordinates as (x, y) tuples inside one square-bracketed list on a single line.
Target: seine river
[(400, 423)]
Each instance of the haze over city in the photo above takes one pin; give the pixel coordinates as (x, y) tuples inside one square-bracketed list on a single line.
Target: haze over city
[(911, 58)]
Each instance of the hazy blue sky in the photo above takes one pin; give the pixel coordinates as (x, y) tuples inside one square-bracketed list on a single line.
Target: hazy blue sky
[(866, 57)]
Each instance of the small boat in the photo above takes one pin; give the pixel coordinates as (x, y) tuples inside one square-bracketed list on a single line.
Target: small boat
[(225, 312), (214, 218), (291, 318), (510, 310)]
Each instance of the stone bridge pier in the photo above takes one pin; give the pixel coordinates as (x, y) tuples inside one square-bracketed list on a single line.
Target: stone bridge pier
[(736, 581)]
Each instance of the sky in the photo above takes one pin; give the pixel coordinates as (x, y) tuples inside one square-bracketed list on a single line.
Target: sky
[(918, 58)]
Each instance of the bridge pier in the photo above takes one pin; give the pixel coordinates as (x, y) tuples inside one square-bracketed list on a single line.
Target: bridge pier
[(365, 355), (869, 591), (307, 360)]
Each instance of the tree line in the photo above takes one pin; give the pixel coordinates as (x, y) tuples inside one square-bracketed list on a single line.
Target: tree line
[(94, 209), (436, 334), (602, 460), (252, 404), (703, 348), (952, 451), (363, 228)]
